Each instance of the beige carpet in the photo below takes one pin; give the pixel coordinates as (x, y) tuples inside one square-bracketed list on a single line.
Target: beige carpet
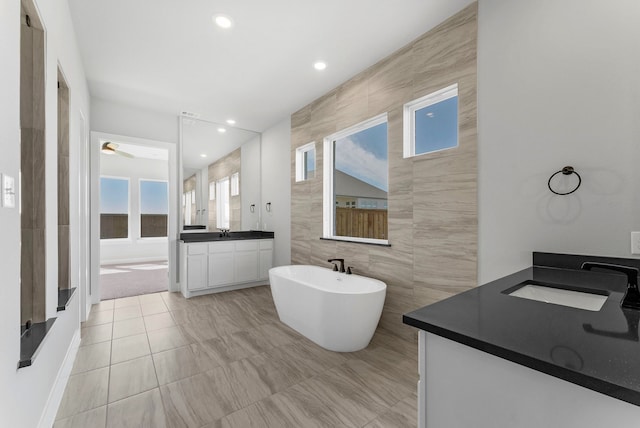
[(133, 279)]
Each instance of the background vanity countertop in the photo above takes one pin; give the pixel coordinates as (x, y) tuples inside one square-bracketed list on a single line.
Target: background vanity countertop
[(597, 350), (233, 236)]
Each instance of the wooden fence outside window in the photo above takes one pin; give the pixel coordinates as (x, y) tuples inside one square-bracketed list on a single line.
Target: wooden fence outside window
[(361, 223)]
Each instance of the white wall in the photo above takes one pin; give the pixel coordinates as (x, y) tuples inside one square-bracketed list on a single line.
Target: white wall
[(133, 249), (24, 393), (276, 188), (121, 119), (558, 85)]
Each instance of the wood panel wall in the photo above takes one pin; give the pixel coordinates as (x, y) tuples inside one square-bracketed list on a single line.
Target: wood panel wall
[(433, 224)]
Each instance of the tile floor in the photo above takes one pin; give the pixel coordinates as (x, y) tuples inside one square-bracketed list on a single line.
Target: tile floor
[(225, 360)]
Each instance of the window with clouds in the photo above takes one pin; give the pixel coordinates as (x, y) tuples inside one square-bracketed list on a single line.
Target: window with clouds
[(431, 122), (357, 182)]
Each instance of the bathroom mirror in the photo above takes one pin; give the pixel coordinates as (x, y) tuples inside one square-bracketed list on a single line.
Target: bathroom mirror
[(220, 176)]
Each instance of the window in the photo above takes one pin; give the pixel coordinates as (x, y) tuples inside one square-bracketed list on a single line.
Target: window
[(222, 203), (189, 207), (154, 208), (431, 122), (235, 184), (306, 162), (356, 183), (212, 191), (114, 208)]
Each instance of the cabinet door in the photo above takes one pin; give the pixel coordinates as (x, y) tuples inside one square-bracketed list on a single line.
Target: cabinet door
[(246, 266), (196, 271), (221, 269), (266, 263)]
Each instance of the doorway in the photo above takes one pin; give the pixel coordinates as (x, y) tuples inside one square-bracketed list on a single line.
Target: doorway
[(133, 216)]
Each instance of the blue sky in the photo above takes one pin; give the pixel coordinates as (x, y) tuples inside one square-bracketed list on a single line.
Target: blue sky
[(154, 197), (364, 155), (310, 160), (114, 196), (437, 126)]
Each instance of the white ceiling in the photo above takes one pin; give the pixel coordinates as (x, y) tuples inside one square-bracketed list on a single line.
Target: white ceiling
[(140, 152), (167, 55)]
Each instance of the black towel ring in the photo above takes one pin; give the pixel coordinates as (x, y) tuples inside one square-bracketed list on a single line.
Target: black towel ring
[(567, 170)]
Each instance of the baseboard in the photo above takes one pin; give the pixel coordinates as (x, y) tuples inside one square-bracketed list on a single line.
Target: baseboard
[(55, 397), (132, 260), (234, 287)]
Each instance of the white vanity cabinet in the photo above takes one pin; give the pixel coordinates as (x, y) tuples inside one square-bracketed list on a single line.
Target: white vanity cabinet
[(216, 266), (265, 257), (461, 386), (220, 259), (196, 266), (246, 261)]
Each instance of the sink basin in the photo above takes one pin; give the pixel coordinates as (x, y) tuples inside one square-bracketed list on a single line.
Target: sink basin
[(560, 296)]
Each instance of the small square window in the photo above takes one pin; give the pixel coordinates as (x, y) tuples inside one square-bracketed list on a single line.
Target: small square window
[(306, 162), (431, 122)]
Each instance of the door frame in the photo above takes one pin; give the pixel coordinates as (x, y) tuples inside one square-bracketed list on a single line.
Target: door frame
[(84, 223), (172, 234)]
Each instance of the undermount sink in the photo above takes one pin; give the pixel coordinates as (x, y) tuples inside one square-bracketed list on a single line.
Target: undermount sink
[(560, 296)]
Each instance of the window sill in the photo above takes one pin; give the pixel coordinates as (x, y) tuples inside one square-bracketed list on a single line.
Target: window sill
[(377, 242), (152, 239), (115, 241), (64, 297), (31, 341)]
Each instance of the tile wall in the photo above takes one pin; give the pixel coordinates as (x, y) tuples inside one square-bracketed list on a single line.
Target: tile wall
[(64, 254), (433, 224), (32, 171)]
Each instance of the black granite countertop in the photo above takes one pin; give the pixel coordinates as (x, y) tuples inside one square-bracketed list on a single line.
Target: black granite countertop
[(597, 350), (217, 236)]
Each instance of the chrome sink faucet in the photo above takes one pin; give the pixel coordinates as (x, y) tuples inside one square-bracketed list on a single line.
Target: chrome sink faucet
[(632, 295), (335, 265)]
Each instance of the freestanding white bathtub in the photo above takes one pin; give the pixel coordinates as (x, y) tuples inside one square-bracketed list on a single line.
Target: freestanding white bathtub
[(337, 311)]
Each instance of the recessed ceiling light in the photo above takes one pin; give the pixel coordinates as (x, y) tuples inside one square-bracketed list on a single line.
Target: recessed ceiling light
[(320, 65), (203, 155), (231, 121), (222, 130), (223, 21)]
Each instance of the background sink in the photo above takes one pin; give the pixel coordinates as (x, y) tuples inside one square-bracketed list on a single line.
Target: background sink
[(561, 296)]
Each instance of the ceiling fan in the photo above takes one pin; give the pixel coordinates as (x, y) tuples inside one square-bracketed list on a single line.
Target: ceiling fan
[(109, 148)]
